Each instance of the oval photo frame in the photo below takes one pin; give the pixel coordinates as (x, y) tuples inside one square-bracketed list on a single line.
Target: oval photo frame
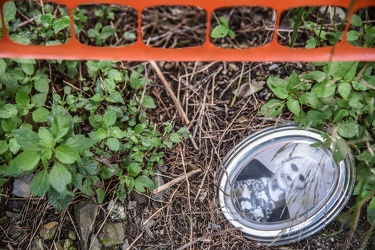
[(279, 189)]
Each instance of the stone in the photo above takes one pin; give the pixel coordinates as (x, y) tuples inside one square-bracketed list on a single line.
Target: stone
[(112, 234), (85, 214), (11, 214), (158, 180), (140, 198), (126, 245), (37, 244), (116, 210), (14, 231), (273, 67), (95, 243), (21, 186), (48, 231), (132, 205)]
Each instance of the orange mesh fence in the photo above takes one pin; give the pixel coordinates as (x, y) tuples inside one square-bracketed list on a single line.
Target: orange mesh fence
[(139, 51)]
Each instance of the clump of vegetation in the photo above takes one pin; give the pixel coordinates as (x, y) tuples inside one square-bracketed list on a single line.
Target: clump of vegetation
[(75, 136)]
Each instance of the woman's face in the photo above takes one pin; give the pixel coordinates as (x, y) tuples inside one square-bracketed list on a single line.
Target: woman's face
[(291, 174)]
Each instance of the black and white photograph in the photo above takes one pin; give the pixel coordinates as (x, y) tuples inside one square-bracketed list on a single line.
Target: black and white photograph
[(283, 182)]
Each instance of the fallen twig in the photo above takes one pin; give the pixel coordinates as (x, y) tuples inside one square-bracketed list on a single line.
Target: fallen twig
[(170, 91), (172, 182)]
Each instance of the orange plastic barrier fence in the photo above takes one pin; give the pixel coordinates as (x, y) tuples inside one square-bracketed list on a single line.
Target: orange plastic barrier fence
[(139, 51)]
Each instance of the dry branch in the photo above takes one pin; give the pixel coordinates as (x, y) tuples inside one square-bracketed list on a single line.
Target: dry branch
[(172, 182), (170, 91)]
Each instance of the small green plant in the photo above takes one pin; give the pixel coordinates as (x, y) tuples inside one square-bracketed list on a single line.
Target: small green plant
[(50, 24), (222, 30), (362, 34)]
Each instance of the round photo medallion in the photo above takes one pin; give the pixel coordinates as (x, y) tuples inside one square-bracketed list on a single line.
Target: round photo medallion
[(279, 188)]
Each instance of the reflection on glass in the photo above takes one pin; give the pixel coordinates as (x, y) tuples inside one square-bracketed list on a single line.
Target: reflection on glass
[(283, 182)]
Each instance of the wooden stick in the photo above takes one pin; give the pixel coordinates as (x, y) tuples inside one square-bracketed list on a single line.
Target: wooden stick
[(170, 91), (172, 182)]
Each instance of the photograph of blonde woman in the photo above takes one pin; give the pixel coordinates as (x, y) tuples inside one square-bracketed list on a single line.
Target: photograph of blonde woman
[(263, 189)]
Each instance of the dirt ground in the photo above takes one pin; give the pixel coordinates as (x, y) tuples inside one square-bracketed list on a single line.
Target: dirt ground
[(189, 216)]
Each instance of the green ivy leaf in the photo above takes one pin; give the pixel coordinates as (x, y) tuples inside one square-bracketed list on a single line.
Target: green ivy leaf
[(317, 76), (66, 154), (27, 161), (113, 144), (59, 177), (61, 23), (40, 115), (40, 183), (59, 200), (46, 20), (340, 115), (272, 108), (293, 106), (100, 193), (110, 117), (8, 111), (13, 146), (311, 43), (39, 99), (22, 98), (79, 142), (134, 169), (347, 129), (3, 147), (316, 117), (26, 138), (143, 181), (137, 156), (219, 31), (45, 137), (310, 99), (175, 138), (3, 66), (293, 82), (231, 34), (8, 125), (115, 97), (340, 150), (278, 87), (10, 11), (343, 70), (356, 20), (148, 102), (60, 126), (352, 35), (344, 90), (355, 100), (325, 88), (224, 21), (136, 81), (115, 75), (99, 134), (109, 84), (27, 68), (42, 85)]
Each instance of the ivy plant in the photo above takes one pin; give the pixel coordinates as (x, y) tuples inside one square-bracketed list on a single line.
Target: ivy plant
[(222, 30)]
